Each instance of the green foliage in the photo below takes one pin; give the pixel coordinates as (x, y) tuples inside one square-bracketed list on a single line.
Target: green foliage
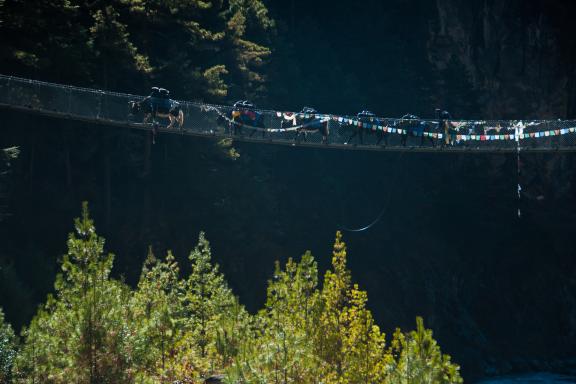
[(207, 300), (114, 53), (80, 334), (227, 149), (418, 359), (157, 315), (8, 349), (280, 350), (94, 329), (348, 341), (213, 76), (10, 153), (306, 335), (196, 48)]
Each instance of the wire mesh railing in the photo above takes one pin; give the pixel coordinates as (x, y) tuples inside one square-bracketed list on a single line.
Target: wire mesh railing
[(308, 127)]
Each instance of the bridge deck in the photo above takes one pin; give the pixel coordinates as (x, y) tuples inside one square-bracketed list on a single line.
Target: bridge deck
[(202, 120), (303, 144)]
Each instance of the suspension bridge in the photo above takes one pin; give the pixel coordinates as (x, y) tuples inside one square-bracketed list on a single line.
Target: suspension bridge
[(343, 132)]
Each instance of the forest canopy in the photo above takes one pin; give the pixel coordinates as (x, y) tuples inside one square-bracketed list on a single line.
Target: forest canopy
[(201, 49), (391, 57), (184, 328)]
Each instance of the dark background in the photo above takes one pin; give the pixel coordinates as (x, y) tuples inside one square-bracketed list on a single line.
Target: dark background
[(499, 291)]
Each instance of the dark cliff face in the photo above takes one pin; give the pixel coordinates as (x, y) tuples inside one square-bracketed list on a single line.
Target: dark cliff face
[(479, 59), (514, 59), (518, 57)]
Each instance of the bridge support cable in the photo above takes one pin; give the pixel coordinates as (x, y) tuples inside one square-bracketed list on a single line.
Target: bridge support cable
[(519, 132), (336, 132), (396, 168)]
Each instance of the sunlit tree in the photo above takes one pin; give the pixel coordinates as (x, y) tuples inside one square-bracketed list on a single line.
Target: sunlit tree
[(281, 350), (207, 301), (347, 340), (417, 358), (80, 334), (157, 317), (95, 329)]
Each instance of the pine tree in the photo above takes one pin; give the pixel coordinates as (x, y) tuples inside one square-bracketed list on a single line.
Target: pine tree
[(8, 349), (42, 35), (282, 352), (207, 301), (95, 330), (157, 315), (115, 56), (80, 334), (290, 311), (418, 359), (235, 333), (347, 341), (244, 57), (333, 300)]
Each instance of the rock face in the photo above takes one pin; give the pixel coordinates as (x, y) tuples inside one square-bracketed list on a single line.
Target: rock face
[(517, 56), (511, 59)]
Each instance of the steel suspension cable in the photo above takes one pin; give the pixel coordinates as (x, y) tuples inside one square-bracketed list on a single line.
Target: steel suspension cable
[(386, 204)]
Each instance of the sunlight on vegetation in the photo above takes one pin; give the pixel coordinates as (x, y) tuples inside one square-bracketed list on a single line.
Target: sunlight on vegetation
[(174, 328), (227, 149)]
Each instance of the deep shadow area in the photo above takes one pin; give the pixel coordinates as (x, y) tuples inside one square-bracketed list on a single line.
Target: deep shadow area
[(498, 291)]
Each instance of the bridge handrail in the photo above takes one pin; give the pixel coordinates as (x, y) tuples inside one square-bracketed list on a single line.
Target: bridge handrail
[(201, 103), (96, 104)]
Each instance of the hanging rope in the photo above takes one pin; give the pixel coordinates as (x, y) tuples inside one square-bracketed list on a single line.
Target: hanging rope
[(518, 179), (519, 133), (386, 203)]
